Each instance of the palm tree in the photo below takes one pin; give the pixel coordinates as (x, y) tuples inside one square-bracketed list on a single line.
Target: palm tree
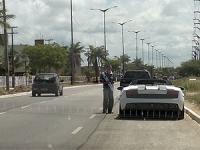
[(77, 50), (96, 56)]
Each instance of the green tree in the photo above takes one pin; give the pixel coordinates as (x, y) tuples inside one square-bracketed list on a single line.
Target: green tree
[(96, 57), (44, 58), (190, 68), (115, 63), (77, 50)]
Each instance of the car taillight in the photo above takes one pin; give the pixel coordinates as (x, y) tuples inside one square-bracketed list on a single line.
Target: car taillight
[(172, 93), (131, 93)]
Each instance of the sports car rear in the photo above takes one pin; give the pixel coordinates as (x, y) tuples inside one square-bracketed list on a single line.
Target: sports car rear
[(152, 101)]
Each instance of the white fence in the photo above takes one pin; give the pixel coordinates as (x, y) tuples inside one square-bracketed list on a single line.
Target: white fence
[(22, 80)]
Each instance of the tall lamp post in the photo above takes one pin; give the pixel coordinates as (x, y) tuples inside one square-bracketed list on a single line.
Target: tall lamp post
[(6, 46), (142, 50), (148, 52), (104, 18), (123, 47), (72, 45), (152, 54), (136, 45)]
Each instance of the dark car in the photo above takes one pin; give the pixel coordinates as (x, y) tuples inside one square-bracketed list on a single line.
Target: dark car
[(47, 83), (130, 76)]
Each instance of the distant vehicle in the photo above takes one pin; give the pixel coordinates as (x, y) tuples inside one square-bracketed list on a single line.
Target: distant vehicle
[(130, 76), (47, 83), (152, 99)]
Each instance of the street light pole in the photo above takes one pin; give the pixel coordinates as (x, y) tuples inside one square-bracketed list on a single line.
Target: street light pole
[(142, 50), (6, 47), (72, 45), (148, 52), (123, 47), (104, 22), (152, 54), (136, 36)]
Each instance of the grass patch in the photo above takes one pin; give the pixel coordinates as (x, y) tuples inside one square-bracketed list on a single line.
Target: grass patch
[(192, 89)]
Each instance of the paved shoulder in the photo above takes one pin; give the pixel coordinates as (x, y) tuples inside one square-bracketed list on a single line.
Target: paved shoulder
[(115, 134)]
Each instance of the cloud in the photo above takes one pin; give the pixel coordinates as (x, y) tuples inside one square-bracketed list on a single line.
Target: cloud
[(168, 23)]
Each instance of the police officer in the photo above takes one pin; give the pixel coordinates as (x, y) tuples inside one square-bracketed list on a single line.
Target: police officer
[(107, 79)]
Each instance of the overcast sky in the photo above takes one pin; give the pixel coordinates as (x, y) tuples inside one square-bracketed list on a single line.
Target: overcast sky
[(168, 23)]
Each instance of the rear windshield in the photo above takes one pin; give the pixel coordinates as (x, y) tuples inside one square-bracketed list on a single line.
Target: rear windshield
[(151, 82), (136, 75), (45, 77)]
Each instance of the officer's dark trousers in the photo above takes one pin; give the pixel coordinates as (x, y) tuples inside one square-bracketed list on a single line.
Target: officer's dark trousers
[(108, 100)]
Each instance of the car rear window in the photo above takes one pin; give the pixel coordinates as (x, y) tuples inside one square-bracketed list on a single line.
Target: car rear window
[(45, 77), (136, 75)]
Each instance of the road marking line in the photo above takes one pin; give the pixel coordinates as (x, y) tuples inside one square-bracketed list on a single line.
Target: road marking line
[(91, 117), (24, 107), (69, 118), (50, 146), (77, 130), (43, 102), (2, 113)]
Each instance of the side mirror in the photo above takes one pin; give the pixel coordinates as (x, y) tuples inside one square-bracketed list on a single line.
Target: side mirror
[(120, 88), (182, 88)]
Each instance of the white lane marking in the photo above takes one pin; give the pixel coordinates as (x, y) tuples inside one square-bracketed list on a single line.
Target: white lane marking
[(91, 117), (69, 118), (24, 107), (2, 113), (42, 102), (81, 86), (77, 130), (50, 146)]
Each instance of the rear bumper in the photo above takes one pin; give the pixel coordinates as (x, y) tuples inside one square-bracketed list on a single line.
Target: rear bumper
[(145, 103), (44, 89)]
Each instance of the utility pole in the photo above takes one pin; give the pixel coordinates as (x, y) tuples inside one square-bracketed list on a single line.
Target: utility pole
[(142, 50), (148, 52), (6, 46), (123, 47), (12, 56), (104, 22), (72, 45)]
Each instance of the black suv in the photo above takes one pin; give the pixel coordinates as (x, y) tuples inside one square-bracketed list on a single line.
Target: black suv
[(47, 83), (130, 76)]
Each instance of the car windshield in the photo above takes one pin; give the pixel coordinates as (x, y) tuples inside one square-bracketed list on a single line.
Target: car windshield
[(151, 82), (136, 75), (45, 77)]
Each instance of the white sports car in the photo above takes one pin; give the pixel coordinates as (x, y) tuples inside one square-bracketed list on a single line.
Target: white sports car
[(151, 99)]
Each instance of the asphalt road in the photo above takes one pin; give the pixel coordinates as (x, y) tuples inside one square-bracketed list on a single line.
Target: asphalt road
[(50, 122), (75, 121)]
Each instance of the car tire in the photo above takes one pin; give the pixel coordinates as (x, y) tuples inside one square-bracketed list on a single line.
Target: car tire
[(57, 93), (39, 94), (33, 94), (120, 111), (181, 114)]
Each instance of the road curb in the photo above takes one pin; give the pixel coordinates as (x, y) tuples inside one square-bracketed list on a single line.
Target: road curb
[(193, 115)]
